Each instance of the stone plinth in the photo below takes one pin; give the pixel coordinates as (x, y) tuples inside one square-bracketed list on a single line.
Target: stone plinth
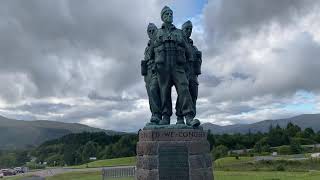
[(173, 154)]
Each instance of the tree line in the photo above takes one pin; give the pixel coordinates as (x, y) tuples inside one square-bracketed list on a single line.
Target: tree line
[(288, 140), (75, 149)]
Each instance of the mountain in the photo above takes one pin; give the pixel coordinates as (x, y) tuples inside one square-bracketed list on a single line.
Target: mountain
[(20, 134), (304, 121)]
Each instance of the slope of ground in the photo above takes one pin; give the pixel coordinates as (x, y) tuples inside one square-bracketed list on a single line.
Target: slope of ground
[(20, 134), (303, 121)]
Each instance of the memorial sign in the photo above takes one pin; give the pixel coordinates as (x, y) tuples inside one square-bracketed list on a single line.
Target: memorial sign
[(173, 163)]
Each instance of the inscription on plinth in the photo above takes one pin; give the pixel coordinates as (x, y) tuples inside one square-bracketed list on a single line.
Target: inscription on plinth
[(173, 163), (173, 154), (172, 135)]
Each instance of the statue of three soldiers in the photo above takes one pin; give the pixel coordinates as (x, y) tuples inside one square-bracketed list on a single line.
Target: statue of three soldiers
[(171, 59)]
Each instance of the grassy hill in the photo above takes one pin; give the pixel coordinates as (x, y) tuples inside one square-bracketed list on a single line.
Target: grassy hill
[(125, 161), (303, 121), (15, 134)]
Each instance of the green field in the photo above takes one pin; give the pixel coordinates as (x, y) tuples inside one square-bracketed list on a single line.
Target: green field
[(81, 176), (126, 161), (219, 175), (16, 178), (229, 168), (131, 161), (227, 164), (231, 160), (280, 164), (255, 175)]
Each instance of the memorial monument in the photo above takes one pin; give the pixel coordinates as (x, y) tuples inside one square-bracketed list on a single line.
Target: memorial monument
[(172, 151)]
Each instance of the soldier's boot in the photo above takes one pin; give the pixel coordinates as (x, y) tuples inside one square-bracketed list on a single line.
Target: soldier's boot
[(192, 122), (155, 119), (165, 120), (180, 120)]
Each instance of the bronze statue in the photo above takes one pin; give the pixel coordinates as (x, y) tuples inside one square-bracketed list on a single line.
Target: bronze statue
[(168, 57), (193, 69), (150, 78)]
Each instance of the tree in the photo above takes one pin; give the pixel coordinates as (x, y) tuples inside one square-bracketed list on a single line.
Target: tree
[(69, 154), (22, 158), (278, 137), (284, 150), (7, 160), (262, 146), (308, 133), (220, 152), (317, 137), (89, 150), (211, 139), (292, 129), (295, 147)]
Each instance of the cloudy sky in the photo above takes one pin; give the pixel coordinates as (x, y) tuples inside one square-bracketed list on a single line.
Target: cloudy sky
[(79, 60)]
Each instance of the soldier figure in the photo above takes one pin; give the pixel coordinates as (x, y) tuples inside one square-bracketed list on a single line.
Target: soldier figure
[(150, 78), (171, 53), (193, 69)]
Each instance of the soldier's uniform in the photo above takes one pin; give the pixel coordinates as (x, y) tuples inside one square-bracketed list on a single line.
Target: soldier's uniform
[(171, 54), (193, 69), (152, 86)]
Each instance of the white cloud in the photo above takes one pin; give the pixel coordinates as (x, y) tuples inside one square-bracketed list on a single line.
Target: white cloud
[(78, 61)]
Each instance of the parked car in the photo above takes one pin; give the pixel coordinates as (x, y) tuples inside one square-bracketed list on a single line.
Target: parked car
[(18, 170), (25, 169), (1, 174), (8, 172)]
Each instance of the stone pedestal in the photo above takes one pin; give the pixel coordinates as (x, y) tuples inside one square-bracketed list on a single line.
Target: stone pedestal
[(173, 154)]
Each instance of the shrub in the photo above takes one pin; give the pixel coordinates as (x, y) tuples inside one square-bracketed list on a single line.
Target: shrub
[(284, 150), (220, 152), (280, 167)]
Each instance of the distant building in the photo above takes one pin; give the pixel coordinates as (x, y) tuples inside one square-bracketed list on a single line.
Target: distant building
[(240, 151), (315, 155), (93, 158)]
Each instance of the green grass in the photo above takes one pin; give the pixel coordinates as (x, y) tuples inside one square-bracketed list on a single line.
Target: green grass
[(219, 175), (16, 177), (127, 161), (227, 164), (281, 164), (232, 160), (82, 176), (223, 175)]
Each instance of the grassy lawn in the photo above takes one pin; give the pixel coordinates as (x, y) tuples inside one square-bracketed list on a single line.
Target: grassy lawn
[(249, 164), (223, 175), (226, 164), (219, 175), (232, 160), (82, 176), (127, 161), (229, 168), (15, 178)]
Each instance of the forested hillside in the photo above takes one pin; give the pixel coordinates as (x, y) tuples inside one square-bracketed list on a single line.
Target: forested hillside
[(75, 149), (19, 134)]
